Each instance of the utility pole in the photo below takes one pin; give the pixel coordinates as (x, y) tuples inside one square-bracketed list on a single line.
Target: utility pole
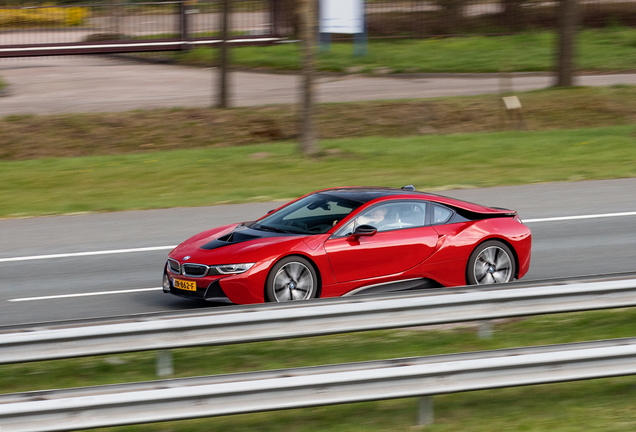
[(224, 56), (309, 36), (567, 31)]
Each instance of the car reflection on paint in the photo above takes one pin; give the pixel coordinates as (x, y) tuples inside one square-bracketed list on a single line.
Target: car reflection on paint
[(351, 240)]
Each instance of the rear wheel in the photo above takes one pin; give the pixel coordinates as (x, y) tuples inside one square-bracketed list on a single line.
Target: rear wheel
[(491, 262), (292, 278)]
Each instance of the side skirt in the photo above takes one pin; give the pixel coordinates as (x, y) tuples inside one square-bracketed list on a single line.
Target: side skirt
[(402, 285)]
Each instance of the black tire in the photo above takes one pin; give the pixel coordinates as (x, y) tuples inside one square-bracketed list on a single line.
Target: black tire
[(292, 278), (491, 262)]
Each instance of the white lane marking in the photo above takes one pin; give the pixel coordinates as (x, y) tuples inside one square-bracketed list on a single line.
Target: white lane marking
[(82, 254), (61, 296), (567, 218), (157, 248)]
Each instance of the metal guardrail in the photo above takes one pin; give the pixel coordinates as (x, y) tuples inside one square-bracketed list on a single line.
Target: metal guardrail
[(126, 46), (315, 386), (314, 318)]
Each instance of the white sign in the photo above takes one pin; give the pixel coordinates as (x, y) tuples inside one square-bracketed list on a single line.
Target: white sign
[(512, 102), (342, 16)]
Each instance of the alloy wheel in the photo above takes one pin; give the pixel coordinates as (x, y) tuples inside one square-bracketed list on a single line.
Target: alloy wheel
[(293, 281), (493, 265)]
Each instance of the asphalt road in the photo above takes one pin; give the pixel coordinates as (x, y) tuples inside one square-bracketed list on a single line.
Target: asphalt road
[(52, 85), (561, 248)]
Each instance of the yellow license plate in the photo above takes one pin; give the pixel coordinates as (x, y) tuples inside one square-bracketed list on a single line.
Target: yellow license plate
[(185, 285)]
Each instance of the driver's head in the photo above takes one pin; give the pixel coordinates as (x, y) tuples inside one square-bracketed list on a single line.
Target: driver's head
[(379, 213)]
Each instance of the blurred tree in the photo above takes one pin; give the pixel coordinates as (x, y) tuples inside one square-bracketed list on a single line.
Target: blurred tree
[(567, 32), (309, 36), (224, 56)]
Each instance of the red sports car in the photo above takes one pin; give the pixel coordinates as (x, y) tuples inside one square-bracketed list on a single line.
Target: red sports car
[(346, 241)]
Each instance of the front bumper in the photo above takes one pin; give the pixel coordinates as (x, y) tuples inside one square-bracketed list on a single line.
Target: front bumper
[(242, 288), (212, 292)]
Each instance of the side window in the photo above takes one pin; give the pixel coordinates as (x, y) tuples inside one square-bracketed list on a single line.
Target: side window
[(389, 217), (441, 215)]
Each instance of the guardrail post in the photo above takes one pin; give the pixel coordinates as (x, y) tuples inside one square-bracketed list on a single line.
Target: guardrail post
[(425, 411), (164, 363), (485, 330)]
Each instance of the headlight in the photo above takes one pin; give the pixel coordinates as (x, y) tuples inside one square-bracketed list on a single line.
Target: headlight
[(230, 269)]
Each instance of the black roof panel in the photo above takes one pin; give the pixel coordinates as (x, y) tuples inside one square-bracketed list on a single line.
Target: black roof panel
[(366, 194)]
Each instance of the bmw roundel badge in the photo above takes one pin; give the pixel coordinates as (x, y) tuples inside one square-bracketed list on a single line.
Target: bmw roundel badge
[(185, 258)]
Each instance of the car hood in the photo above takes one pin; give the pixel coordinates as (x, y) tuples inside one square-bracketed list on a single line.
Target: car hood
[(231, 244)]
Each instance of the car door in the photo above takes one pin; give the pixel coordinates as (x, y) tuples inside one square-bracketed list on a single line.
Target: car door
[(402, 241)]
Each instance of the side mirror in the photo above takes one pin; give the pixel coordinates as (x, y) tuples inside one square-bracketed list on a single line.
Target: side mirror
[(362, 231)]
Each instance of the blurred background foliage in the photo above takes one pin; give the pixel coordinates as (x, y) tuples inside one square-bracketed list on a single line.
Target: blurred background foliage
[(50, 16)]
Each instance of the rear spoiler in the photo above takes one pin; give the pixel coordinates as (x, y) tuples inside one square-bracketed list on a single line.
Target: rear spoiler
[(505, 212), (473, 215)]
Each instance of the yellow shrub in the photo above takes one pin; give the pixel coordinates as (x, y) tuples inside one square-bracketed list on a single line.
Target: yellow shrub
[(43, 17), (76, 15)]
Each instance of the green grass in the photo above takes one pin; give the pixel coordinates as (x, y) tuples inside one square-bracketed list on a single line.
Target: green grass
[(602, 50), (195, 157), (210, 176), (143, 131), (2, 84), (600, 405)]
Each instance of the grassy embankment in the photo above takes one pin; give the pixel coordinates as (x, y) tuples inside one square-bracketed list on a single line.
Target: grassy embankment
[(153, 159)]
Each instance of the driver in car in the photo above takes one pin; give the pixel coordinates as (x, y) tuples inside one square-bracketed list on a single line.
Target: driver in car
[(376, 217)]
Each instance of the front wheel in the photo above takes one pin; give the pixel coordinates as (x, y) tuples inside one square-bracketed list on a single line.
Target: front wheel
[(292, 278), (491, 262)]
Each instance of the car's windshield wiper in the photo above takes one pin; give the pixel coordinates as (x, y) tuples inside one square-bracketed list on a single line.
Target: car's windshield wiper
[(274, 229)]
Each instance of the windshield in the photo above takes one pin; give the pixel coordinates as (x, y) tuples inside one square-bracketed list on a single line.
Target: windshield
[(314, 214)]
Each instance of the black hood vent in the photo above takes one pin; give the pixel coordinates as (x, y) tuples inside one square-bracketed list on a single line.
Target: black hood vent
[(240, 235), (237, 237)]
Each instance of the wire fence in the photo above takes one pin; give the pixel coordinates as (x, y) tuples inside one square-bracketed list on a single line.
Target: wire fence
[(453, 17), (70, 21), (128, 20), (427, 18)]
